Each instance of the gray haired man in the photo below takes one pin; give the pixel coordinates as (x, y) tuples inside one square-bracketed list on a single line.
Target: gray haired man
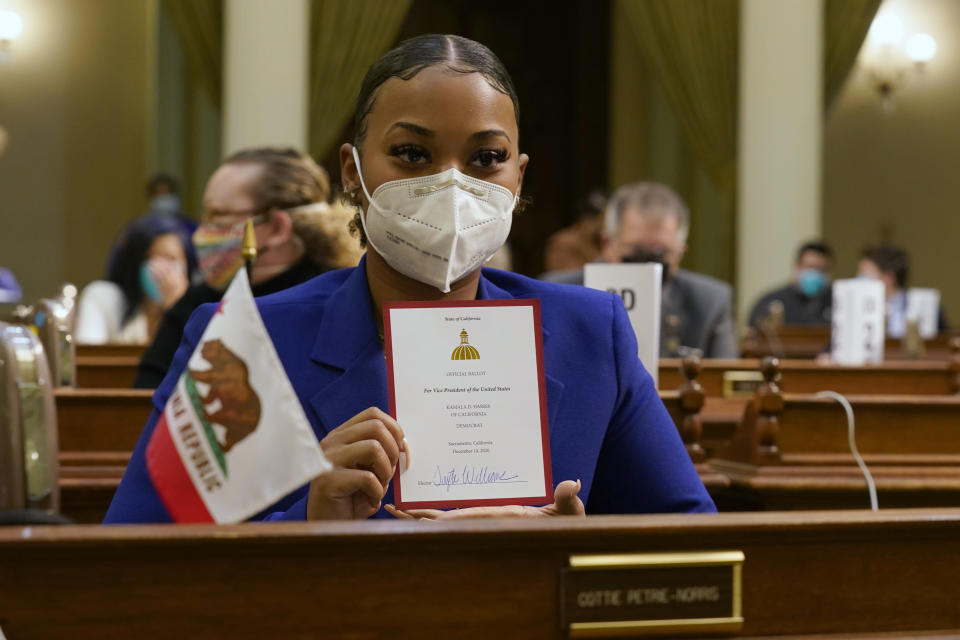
[(648, 222)]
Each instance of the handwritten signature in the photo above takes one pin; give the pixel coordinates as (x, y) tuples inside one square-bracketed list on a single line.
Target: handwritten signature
[(471, 475)]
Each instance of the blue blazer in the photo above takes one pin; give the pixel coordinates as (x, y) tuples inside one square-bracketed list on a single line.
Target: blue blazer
[(608, 427)]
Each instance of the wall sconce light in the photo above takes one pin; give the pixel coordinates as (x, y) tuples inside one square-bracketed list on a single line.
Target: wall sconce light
[(893, 64), (11, 26)]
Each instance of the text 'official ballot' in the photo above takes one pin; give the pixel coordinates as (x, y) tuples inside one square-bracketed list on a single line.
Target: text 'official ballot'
[(858, 321), (466, 384), (639, 285), (233, 438)]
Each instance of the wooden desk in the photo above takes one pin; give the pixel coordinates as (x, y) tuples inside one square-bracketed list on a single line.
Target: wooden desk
[(106, 372), (902, 377), (98, 429), (101, 419), (805, 574), (111, 420), (107, 366), (796, 454), (110, 350), (794, 341), (886, 427), (86, 490)]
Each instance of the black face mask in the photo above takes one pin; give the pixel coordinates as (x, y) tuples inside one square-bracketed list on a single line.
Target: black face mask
[(640, 254)]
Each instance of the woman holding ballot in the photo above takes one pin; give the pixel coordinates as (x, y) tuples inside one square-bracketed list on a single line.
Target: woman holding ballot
[(435, 171)]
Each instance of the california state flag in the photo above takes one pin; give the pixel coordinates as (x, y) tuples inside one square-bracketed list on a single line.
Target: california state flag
[(233, 438)]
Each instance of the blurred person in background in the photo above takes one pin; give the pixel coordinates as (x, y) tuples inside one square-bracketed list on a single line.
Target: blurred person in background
[(163, 195), (10, 290), (891, 266), (299, 235), (163, 200), (149, 273), (808, 298), (576, 245), (649, 222)]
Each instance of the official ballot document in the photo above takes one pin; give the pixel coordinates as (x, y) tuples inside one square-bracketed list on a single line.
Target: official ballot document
[(466, 384)]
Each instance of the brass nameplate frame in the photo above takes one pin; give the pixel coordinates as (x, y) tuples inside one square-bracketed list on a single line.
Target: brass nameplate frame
[(682, 593), (741, 383)]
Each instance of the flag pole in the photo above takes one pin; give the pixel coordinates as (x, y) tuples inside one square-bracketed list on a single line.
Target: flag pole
[(249, 248)]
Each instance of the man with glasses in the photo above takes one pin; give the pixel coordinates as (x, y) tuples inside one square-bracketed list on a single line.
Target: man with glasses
[(298, 235), (648, 222)]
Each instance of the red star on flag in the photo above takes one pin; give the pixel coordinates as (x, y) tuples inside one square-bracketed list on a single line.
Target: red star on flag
[(220, 307)]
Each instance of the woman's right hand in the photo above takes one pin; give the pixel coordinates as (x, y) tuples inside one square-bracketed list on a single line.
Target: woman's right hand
[(364, 452), (171, 279)]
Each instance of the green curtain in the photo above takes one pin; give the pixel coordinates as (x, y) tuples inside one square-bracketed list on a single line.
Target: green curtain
[(346, 37), (846, 23), (690, 47), (199, 24)]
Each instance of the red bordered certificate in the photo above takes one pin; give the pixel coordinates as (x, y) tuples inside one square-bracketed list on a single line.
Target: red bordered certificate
[(466, 384)]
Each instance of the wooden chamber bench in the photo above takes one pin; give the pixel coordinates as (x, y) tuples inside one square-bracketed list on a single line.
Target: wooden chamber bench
[(726, 377), (107, 366), (792, 451), (720, 412), (115, 367), (805, 575), (101, 419), (98, 429), (798, 341)]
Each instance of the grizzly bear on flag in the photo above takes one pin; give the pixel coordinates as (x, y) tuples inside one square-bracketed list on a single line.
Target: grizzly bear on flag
[(237, 406)]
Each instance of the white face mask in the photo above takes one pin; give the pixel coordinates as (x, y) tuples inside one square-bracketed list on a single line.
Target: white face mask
[(437, 229)]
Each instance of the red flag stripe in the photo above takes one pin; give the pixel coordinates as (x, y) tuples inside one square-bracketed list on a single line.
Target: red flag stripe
[(171, 479)]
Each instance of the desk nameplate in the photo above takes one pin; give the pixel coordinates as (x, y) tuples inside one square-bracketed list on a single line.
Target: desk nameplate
[(683, 593), (738, 384)]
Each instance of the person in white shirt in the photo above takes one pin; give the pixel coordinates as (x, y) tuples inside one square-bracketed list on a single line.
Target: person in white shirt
[(149, 274)]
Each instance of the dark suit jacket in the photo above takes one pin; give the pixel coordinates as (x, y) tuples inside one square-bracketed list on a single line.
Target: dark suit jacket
[(696, 312), (608, 427), (797, 308)]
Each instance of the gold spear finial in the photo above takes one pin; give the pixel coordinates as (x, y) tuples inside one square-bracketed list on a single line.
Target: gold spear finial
[(249, 247)]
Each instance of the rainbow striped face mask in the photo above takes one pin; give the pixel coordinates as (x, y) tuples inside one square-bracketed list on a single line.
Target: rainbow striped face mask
[(220, 250)]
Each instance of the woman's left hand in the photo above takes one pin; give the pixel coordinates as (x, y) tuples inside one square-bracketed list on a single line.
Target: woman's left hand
[(566, 502)]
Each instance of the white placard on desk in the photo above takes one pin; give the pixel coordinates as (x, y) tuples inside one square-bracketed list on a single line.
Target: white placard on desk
[(466, 384), (639, 287), (858, 321), (923, 305)]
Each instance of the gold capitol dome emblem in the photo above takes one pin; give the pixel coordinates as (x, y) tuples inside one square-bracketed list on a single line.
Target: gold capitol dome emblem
[(465, 350)]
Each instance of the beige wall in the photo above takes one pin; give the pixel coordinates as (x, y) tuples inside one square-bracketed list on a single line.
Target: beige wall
[(265, 88), (779, 150), (75, 101), (893, 176)]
